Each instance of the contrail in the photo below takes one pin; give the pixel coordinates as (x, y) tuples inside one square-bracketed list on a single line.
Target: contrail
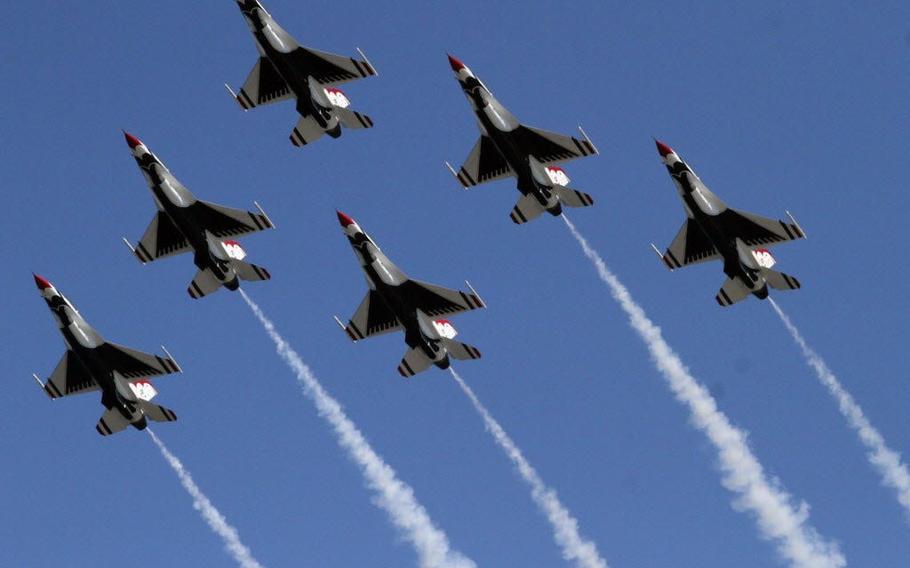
[(392, 494), (565, 527), (888, 462), (216, 521), (777, 517)]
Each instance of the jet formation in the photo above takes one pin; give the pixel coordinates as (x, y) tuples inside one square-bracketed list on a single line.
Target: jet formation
[(184, 223), (286, 70), (509, 148), (91, 364), (506, 148), (713, 231), (395, 302)]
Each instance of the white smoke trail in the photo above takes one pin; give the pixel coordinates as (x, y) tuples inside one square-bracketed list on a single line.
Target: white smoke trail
[(216, 521), (392, 494), (888, 462), (778, 519), (565, 527)]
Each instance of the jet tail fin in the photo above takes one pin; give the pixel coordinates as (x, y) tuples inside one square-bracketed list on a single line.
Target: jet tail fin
[(353, 119), (731, 292), (111, 422), (414, 361), (460, 351), (157, 413), (203, 284), (780, 281), (572, 197), (527, 209), (250, 272), (306, 132)]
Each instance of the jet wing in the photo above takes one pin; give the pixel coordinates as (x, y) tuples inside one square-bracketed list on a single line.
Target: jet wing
[(329, 68), (161, 239), (437, 301), (690, 246), (373, 317), (552, 148), (263, 86), (133, 364), (69, 377), (226, 222), (755, 230), (484, 163)]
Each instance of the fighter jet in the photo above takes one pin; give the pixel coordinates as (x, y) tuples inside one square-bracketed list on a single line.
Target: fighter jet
[(92, 364), (184, 223), (509, 148), (287, 70), (396, 302), (713, 231)]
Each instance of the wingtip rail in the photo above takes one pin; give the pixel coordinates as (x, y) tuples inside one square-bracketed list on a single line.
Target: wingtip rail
[(798, 226), (264, 214), (658, 253), (370, 63), (587, 139), (234, 95), (133, 250), (455, 175), (473, 291), (171, 357), (40, 383)]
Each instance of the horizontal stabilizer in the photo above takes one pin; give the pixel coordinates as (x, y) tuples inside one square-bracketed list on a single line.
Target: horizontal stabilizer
[(111, 422), (415, 361), (157, 413), (733, 291), (353, 119), (250, 272), (573, 198), (306, 132), (460, 351), (527, 209), (781, 281), (203, 284)]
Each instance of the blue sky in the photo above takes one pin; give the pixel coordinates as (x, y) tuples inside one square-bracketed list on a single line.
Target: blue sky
[(776, 106)]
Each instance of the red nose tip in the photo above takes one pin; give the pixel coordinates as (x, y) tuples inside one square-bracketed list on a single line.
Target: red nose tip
[(456, 64), (344, 219), (41, 282), (131, 140), (663, 149)]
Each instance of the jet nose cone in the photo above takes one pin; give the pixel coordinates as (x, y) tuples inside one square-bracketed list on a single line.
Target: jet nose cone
[(41, 282), (131, 140), (456, 64), (344, 219), (663, 149)]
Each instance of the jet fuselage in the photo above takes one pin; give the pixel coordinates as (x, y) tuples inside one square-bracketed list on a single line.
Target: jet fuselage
[(82, 339), (277, 45), (707, 209), (499, 125), (176, 201), (387, 279)]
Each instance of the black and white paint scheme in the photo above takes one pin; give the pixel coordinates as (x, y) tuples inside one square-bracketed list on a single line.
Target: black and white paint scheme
[(286, 70), (713, 231), (186, 224), (91, 364), (508, 148), (395, 302)]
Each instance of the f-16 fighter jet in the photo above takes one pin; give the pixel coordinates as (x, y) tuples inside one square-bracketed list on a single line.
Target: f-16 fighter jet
[(92, 364), (287, 70), (713, 231), (184, 223), (396, 302), (509, 148)]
